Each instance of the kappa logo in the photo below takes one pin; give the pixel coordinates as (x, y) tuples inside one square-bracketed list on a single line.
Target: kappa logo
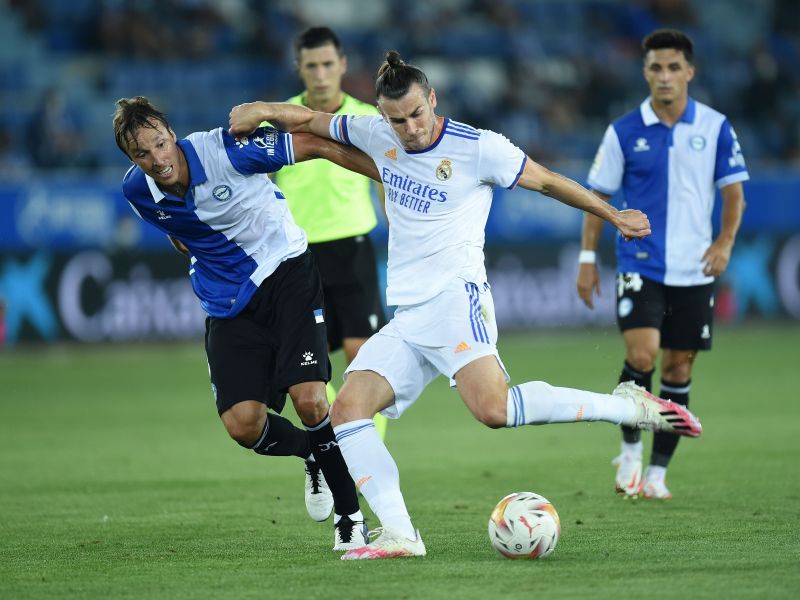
[(463, 347), (308, 359), (391, 154), (706, 333), (444, 171), (641, 145), (629, 281), (242, 142), (162, 216), (327, 446)]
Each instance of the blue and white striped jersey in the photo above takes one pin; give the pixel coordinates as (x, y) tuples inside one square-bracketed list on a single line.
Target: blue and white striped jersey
[(670, 174), (437, 200), (233, 220)]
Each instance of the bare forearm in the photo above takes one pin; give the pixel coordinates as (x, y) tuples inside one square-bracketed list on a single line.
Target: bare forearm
[(244, 118), (732, 209), (591, 230), (573, 194), (348, 157)]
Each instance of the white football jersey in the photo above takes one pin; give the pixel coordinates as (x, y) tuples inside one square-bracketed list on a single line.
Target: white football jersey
[(437, 200)]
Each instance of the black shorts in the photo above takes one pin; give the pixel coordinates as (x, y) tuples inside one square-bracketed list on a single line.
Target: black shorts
[(278, 340), (353, 307), (683, 315)]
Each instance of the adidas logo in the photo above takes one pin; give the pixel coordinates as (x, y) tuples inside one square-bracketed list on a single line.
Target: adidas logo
[(391, 154), (462, 347)]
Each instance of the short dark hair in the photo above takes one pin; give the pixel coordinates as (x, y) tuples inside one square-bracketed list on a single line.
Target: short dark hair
[(133, 113), (314, 37), (395, 77), (669, 38)]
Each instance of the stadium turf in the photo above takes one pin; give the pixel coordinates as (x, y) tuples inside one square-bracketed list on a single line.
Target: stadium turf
[(118, 481)]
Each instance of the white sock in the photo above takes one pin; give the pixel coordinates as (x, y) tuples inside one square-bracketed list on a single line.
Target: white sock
[(538, 403), (634, 449), (356, 516), (655, 473), (375, 473)]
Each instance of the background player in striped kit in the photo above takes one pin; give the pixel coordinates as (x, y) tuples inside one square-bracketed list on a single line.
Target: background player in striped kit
[(333, 205), (438, 175), (255, 278), (668, 156)]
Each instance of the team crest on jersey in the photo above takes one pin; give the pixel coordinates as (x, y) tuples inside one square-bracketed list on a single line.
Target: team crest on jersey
[(222, 193), (697, 142), (444, 171)]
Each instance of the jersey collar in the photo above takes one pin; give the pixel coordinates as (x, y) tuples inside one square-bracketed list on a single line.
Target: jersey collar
[(650, 117), (197, 174)]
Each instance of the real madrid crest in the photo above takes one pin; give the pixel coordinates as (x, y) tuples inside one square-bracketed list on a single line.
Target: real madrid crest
[(444, 171)]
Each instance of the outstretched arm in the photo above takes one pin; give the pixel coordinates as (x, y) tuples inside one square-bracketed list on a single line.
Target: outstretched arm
[(308, 146), (245, 118), (630, 223)]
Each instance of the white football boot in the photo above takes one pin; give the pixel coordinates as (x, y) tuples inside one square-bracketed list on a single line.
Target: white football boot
[(655, 414), (655, 485), (349, 534), (389, 544), (628, 480), (319, 500)]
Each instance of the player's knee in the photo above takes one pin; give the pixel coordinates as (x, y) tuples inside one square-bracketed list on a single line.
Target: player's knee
[(491, 411), (244, 432), (641, 359), (311, 407)]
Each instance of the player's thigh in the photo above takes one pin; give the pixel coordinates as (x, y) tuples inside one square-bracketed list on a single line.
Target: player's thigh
[(689, 320), (241, 361), (295, 314), (404, 368)]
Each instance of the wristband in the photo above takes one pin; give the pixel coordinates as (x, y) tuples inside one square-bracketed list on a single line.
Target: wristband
[(587, 257)]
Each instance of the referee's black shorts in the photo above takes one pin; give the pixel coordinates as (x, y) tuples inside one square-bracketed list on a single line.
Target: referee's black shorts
[(353, 306), (277, 341)]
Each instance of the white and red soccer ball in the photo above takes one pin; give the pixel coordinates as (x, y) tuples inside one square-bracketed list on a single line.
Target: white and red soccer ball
[(524, 525)]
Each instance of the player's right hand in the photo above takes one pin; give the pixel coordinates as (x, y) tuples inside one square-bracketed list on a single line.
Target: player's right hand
[(632, 224), (588, 282), (245, 118)]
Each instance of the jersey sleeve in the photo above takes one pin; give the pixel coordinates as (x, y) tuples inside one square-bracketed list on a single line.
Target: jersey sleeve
[(500, 162), (729, 167), (608, 167), (353, 130), (265, 150)]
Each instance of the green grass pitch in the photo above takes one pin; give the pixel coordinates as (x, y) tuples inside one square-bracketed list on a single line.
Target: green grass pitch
[(118, 481)]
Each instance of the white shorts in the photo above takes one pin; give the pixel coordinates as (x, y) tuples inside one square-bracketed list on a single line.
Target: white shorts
[(422, 341)]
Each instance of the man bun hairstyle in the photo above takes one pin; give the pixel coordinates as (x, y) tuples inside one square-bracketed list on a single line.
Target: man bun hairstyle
[(669, 38), (132, 114), (395, 78)]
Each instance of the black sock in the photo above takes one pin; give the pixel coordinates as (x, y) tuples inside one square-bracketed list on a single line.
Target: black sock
[(632, 435), (329, 458), (664, 444), (281, 438)]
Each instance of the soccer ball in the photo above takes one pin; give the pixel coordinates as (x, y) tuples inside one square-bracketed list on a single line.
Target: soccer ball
[(524, 525)]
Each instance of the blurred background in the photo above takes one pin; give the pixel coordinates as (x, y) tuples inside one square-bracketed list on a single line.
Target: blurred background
[(77, 264)]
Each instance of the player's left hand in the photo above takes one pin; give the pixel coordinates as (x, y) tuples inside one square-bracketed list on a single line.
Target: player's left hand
[(245, 118), (632, 224), (716, 258)]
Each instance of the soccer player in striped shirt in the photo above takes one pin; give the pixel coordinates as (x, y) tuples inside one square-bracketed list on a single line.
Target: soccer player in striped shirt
[(438, 176), (668, 156), (255, 278)]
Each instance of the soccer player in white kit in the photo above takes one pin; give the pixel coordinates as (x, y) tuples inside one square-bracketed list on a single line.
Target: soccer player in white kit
[(438, 175)]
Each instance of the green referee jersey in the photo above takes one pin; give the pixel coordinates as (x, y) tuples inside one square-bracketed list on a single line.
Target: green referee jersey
[(327, 200)]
